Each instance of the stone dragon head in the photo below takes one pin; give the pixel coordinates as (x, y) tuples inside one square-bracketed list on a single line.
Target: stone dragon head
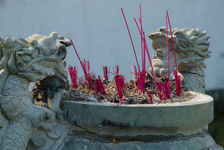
[(34, 58), (191, 49), (22, 61)]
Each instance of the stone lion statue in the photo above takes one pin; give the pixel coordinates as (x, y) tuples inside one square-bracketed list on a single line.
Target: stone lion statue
[(23, 61), (191, 49)]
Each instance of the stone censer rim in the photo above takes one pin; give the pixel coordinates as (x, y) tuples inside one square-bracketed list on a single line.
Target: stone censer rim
[(188, 117), (199, 98)]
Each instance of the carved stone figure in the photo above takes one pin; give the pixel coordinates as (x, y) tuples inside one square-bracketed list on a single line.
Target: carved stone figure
[(23, 61), (191, 49), (27, 124)]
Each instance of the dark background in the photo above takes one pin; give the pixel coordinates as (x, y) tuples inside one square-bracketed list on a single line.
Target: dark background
[(216, 128)]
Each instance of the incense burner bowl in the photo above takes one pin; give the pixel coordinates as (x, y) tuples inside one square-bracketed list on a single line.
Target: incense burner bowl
[(173, 126)]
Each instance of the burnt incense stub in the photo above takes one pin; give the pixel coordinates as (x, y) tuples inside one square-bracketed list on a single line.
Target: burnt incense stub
[(191, 49)]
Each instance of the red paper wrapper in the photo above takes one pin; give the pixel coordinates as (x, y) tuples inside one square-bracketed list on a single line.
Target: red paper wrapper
[(105, 72), (178, 83), (150, 97), (141, 82), (120, 82), (73, 74), (100, 87)]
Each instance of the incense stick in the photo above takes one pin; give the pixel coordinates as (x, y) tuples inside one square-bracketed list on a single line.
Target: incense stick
[(171, 39), (120, 102), (79, 58), (133, 77), (147, 52), (130, 39), (177, 77), (168, 56)]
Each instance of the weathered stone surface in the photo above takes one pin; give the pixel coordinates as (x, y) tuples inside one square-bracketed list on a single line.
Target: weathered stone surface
[(191, 50), (23, 61), (173, 118), (173, 126), (201, 141), (25, 126)]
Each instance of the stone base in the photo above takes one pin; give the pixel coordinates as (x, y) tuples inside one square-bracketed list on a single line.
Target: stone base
[(173, 126), (202, 141)]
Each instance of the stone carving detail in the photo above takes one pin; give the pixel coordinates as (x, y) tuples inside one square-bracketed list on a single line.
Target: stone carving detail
[(191, 49), (23, 61)]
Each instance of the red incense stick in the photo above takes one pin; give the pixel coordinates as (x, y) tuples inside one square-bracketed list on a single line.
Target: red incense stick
[(133, 77), (167, 88), (147, 51), (177, 77), (136, 72), (105, 73), (82, 81), (131, 39), (137, 25), (150, 97), (119, 80), (168, 56), (120, 102), (140, 10), (142, 42), (100, 87), (171, 39), (116, 70), (79, 58), (178, 83), (73, 75), (141, 79), (88, 67), (167, 84)]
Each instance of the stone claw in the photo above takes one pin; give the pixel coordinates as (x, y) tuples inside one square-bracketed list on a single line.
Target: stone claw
[(57, 100)]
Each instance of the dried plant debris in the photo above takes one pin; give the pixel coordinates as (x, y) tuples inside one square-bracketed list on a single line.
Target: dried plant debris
[(131, 95)]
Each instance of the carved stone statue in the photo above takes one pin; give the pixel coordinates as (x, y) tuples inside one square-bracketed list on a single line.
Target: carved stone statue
[(23, 61), (28, 124), (191, 49)]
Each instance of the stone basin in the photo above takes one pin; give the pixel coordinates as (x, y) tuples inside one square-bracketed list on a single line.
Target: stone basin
[(143, 125)]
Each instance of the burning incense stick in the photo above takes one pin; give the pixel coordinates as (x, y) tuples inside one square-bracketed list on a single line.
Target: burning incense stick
[(131, 39)]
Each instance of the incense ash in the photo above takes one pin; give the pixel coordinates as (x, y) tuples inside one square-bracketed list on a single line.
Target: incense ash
[(150, 87), (130, 96)]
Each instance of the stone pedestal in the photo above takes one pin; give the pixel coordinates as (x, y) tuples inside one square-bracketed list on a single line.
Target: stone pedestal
[(175, 126)]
